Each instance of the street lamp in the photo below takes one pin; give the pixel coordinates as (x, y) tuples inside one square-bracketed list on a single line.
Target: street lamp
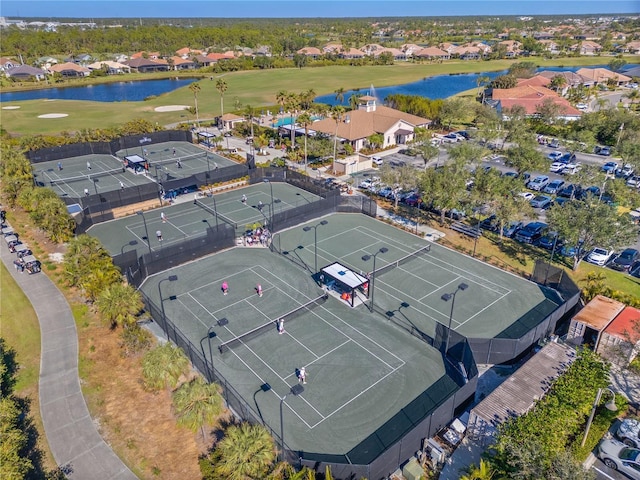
[(271, 207), (265, 387), (146, 231), (366, 258), (210, 334), (95, 184), (170, 278), (452, 296), (611, 405), (131, 243), (266, 180), (315, 240), (295, 390)]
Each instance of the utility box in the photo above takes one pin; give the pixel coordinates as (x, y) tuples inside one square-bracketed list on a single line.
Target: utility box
[(412, 470)]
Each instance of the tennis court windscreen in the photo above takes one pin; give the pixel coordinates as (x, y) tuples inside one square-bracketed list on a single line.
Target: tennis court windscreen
[(213, 212), (272, 325), (79, 178), (401, 261), (184, 158)]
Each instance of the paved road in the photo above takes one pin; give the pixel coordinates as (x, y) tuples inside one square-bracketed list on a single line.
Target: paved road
[(73, 438)]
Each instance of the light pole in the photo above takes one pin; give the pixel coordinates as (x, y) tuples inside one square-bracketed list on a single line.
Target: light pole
[(146, 231), (611, 405), (295, 390), (170, 278), (131, 243), (95, 184), (208, 167), (315, 240), (270, 219), (266, 180), (366, 258), (452, 296), (210, 334), (553, 251)]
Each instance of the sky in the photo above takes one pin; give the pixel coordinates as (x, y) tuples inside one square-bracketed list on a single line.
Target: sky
[(89, 9)]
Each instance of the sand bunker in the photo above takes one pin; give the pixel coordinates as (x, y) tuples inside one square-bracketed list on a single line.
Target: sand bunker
[(53, 115), (171, 108), (11, 107)]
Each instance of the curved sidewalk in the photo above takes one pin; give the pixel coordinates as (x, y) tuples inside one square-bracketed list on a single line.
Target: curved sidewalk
[(73, 438)]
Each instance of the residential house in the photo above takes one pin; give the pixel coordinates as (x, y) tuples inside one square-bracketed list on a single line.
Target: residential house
[(145, 65), (149, 55), (572, 80), (25, 72), (432, 53), (310, 52), (633, 47), (531, 98), (204, 60), (603, 75), (519, 393), (46, 62), (468, 52), (112, 68), (368, 119), (332, 48), (632, 71), (351, 53), (371, 49), (70, 69), (187, 53), (179, 63), (262, 51), (7, 63), (217, 57), (448, 47), (586, 47), (620, 340), (396, 53), (410, 49), (514, 48), (550, 46), (229, 120)]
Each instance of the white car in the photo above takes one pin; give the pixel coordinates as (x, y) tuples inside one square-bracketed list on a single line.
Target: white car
[(633, 181), (557, 167), (555, 156), (617, 456), (528, 196), (599, 256), (571, 168), (376, 161), (582, 106)]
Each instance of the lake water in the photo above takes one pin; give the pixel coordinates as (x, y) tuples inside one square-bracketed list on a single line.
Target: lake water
[(133, 91), (440, 86)]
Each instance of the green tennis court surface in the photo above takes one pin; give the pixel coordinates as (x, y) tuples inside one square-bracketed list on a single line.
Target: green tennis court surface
[(362, 368), (105, 174), (188, 219)]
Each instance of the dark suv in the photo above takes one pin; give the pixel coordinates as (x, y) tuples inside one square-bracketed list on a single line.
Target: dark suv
[(531, 233), (624, 261)]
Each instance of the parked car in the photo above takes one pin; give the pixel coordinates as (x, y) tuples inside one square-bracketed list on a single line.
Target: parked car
[(556, 167), (464, 134), (555, 156), (561, 200), (555, 143), (528, 196), (582, 107), (610, 167), (548, 241), (510, 174), (571, 168), (490, 223), (605, 151), (385, 191), (568, 157), (531, 232), (633, 181), (412, 200), (570, 191), (541, 201), (538, 183), (554, 187), (592, 190), (625, 259), (450, 138), (511, 229), (617, 456), (599, 256), (376, 161), (569, 250), (635, 270), (624, 171)]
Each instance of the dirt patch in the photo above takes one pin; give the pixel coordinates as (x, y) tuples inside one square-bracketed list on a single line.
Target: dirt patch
[(171, 108), (53, 115)]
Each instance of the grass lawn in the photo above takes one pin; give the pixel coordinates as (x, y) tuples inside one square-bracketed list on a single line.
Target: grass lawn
[(257, 88), (22, 333)]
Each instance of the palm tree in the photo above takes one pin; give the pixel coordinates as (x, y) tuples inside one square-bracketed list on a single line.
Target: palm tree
[(281, 99), (246, 451), (221, 86), (119, 304), (336, 112), (632, 95), (250, 112), (353, 100), (481, 81), (197, 404), (292, 104), (163, 366), (305, 120), (481, 472), (195, 88), (339, 95)]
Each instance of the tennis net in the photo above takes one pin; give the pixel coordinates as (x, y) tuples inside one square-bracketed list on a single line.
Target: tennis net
[(272, 325), (184, 158), (213, 212), (83, 177), (401, 261)]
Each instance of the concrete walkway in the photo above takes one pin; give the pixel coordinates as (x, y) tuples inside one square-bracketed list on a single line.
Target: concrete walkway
[(73, 438)]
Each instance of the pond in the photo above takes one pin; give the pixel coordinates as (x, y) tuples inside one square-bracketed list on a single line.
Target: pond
[(128, 91)]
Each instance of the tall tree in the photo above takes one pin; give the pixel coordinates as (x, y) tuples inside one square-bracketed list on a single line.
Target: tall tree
[(221, 87), (195, 89), (339, 95), (198, 404), (304, 119), (119, 304), (163, 366), (337, 112)]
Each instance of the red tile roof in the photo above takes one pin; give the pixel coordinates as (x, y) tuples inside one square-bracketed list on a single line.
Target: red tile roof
[(623, 325)]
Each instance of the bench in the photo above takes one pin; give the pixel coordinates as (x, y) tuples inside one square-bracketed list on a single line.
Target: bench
[(472, 232)]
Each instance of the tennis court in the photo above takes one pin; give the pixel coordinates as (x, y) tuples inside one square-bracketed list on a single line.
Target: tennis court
[(189, 219), (96, 173), (362, 368), (171, 160)]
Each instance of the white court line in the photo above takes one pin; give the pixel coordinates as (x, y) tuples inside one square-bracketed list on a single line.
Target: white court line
[(480, 311), (391, 287), (218, 280), (321, 356), (455, 280), (481, 281)]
